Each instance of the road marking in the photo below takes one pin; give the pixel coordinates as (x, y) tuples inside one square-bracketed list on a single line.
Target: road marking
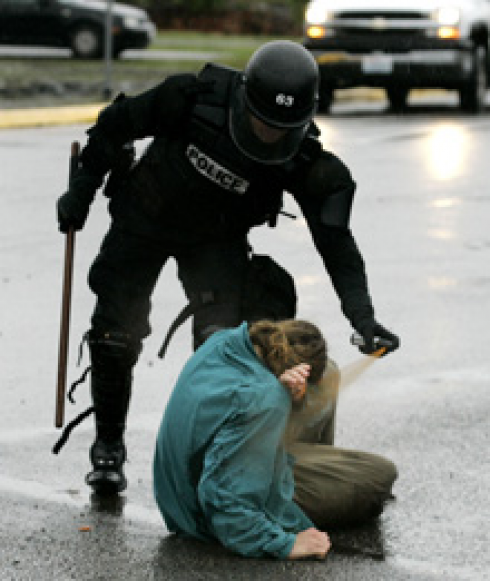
[(17, 118), (32, 490)]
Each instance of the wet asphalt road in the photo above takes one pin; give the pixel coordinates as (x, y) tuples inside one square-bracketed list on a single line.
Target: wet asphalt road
[(421, 218)]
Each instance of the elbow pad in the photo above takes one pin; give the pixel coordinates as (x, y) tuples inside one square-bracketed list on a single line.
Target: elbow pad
[(100, 153), (330, 183), (336, 208)]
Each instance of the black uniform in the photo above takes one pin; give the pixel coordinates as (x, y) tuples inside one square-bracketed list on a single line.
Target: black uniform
[(195, 196)]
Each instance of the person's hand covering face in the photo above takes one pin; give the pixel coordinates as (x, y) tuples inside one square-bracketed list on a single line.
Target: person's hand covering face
[(295, 380)]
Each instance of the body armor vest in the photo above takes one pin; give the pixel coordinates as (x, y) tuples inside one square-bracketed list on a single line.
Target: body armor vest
[(196, 182)]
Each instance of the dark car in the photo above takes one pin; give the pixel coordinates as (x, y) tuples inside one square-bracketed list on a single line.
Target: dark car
[(76, 24)]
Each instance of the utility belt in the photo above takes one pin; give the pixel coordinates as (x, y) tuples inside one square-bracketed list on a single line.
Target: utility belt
[(268, 293)]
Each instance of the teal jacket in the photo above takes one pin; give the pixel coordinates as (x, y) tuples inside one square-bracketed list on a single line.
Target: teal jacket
[(220, 469)]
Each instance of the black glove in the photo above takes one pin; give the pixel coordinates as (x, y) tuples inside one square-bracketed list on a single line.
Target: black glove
[(73, 206), (376, 336)]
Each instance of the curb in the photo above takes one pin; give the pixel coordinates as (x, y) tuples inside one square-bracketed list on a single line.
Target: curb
[(65, 115), (75, 114), (69, 115)]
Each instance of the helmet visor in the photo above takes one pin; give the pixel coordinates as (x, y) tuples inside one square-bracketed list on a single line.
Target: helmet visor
[(261, 141)]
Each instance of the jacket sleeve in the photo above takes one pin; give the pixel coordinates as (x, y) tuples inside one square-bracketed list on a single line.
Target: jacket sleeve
[(325, 192), (158, 111), (243, 469)]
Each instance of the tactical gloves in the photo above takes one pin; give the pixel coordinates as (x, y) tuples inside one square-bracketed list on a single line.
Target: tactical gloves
[(376, 336), (73, 206)]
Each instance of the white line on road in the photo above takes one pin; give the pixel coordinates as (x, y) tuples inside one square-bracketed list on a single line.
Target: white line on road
[(36, 491), (156, 54)]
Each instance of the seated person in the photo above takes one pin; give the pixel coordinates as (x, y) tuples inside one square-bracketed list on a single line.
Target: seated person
[(222, 469)]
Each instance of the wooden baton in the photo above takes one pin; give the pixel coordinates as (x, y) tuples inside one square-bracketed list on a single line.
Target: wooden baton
[(66, 303)]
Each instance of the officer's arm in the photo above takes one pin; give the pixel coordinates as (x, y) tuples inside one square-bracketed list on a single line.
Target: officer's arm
[(159, 111), (325, 192)]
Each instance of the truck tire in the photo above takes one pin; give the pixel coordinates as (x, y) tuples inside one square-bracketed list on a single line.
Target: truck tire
[(472, 95), (86, 42), (397, 96)]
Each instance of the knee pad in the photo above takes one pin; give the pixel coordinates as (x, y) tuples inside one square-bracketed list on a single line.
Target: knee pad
[(112, 352)]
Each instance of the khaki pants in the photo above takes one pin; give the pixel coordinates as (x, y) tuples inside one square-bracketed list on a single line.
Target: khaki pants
[(334, 487)]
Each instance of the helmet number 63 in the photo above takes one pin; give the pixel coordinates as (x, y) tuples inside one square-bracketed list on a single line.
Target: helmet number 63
[(286, 100)]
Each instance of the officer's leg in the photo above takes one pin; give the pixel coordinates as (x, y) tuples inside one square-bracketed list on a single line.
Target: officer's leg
[(214, 273), (123, 277)]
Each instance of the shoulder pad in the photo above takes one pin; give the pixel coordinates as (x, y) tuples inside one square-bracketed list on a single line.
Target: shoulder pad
[(216, 81), (313, 130), (310, 148)]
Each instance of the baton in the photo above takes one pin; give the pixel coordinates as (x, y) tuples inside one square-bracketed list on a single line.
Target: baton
[(66, 303)]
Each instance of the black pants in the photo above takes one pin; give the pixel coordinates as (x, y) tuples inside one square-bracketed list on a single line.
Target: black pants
[(126, 270)]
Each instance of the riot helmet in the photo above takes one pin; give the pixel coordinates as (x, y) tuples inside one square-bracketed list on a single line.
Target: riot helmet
[(274, 102)]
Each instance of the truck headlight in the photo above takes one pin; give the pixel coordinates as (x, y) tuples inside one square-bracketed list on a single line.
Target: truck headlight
[(446, 23), (316, 31), (447, 16), (316, 13), (131, 22)]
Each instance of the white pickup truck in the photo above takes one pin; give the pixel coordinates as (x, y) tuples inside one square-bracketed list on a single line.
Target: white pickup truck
[(399, 45)]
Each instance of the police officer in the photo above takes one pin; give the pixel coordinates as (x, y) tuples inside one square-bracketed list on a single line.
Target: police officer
[(226, 146)]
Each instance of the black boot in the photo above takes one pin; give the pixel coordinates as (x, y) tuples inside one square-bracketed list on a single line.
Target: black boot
[(113, 358), (107, 478), (108, 452)]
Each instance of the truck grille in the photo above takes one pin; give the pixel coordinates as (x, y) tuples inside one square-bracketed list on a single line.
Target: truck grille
[(388, 15), (380, 24), (347, 31)]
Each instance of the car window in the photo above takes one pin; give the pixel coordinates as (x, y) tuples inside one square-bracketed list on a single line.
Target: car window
[(18, 3)]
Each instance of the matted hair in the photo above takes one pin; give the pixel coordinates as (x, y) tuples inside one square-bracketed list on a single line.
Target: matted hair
[(284, 344)]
